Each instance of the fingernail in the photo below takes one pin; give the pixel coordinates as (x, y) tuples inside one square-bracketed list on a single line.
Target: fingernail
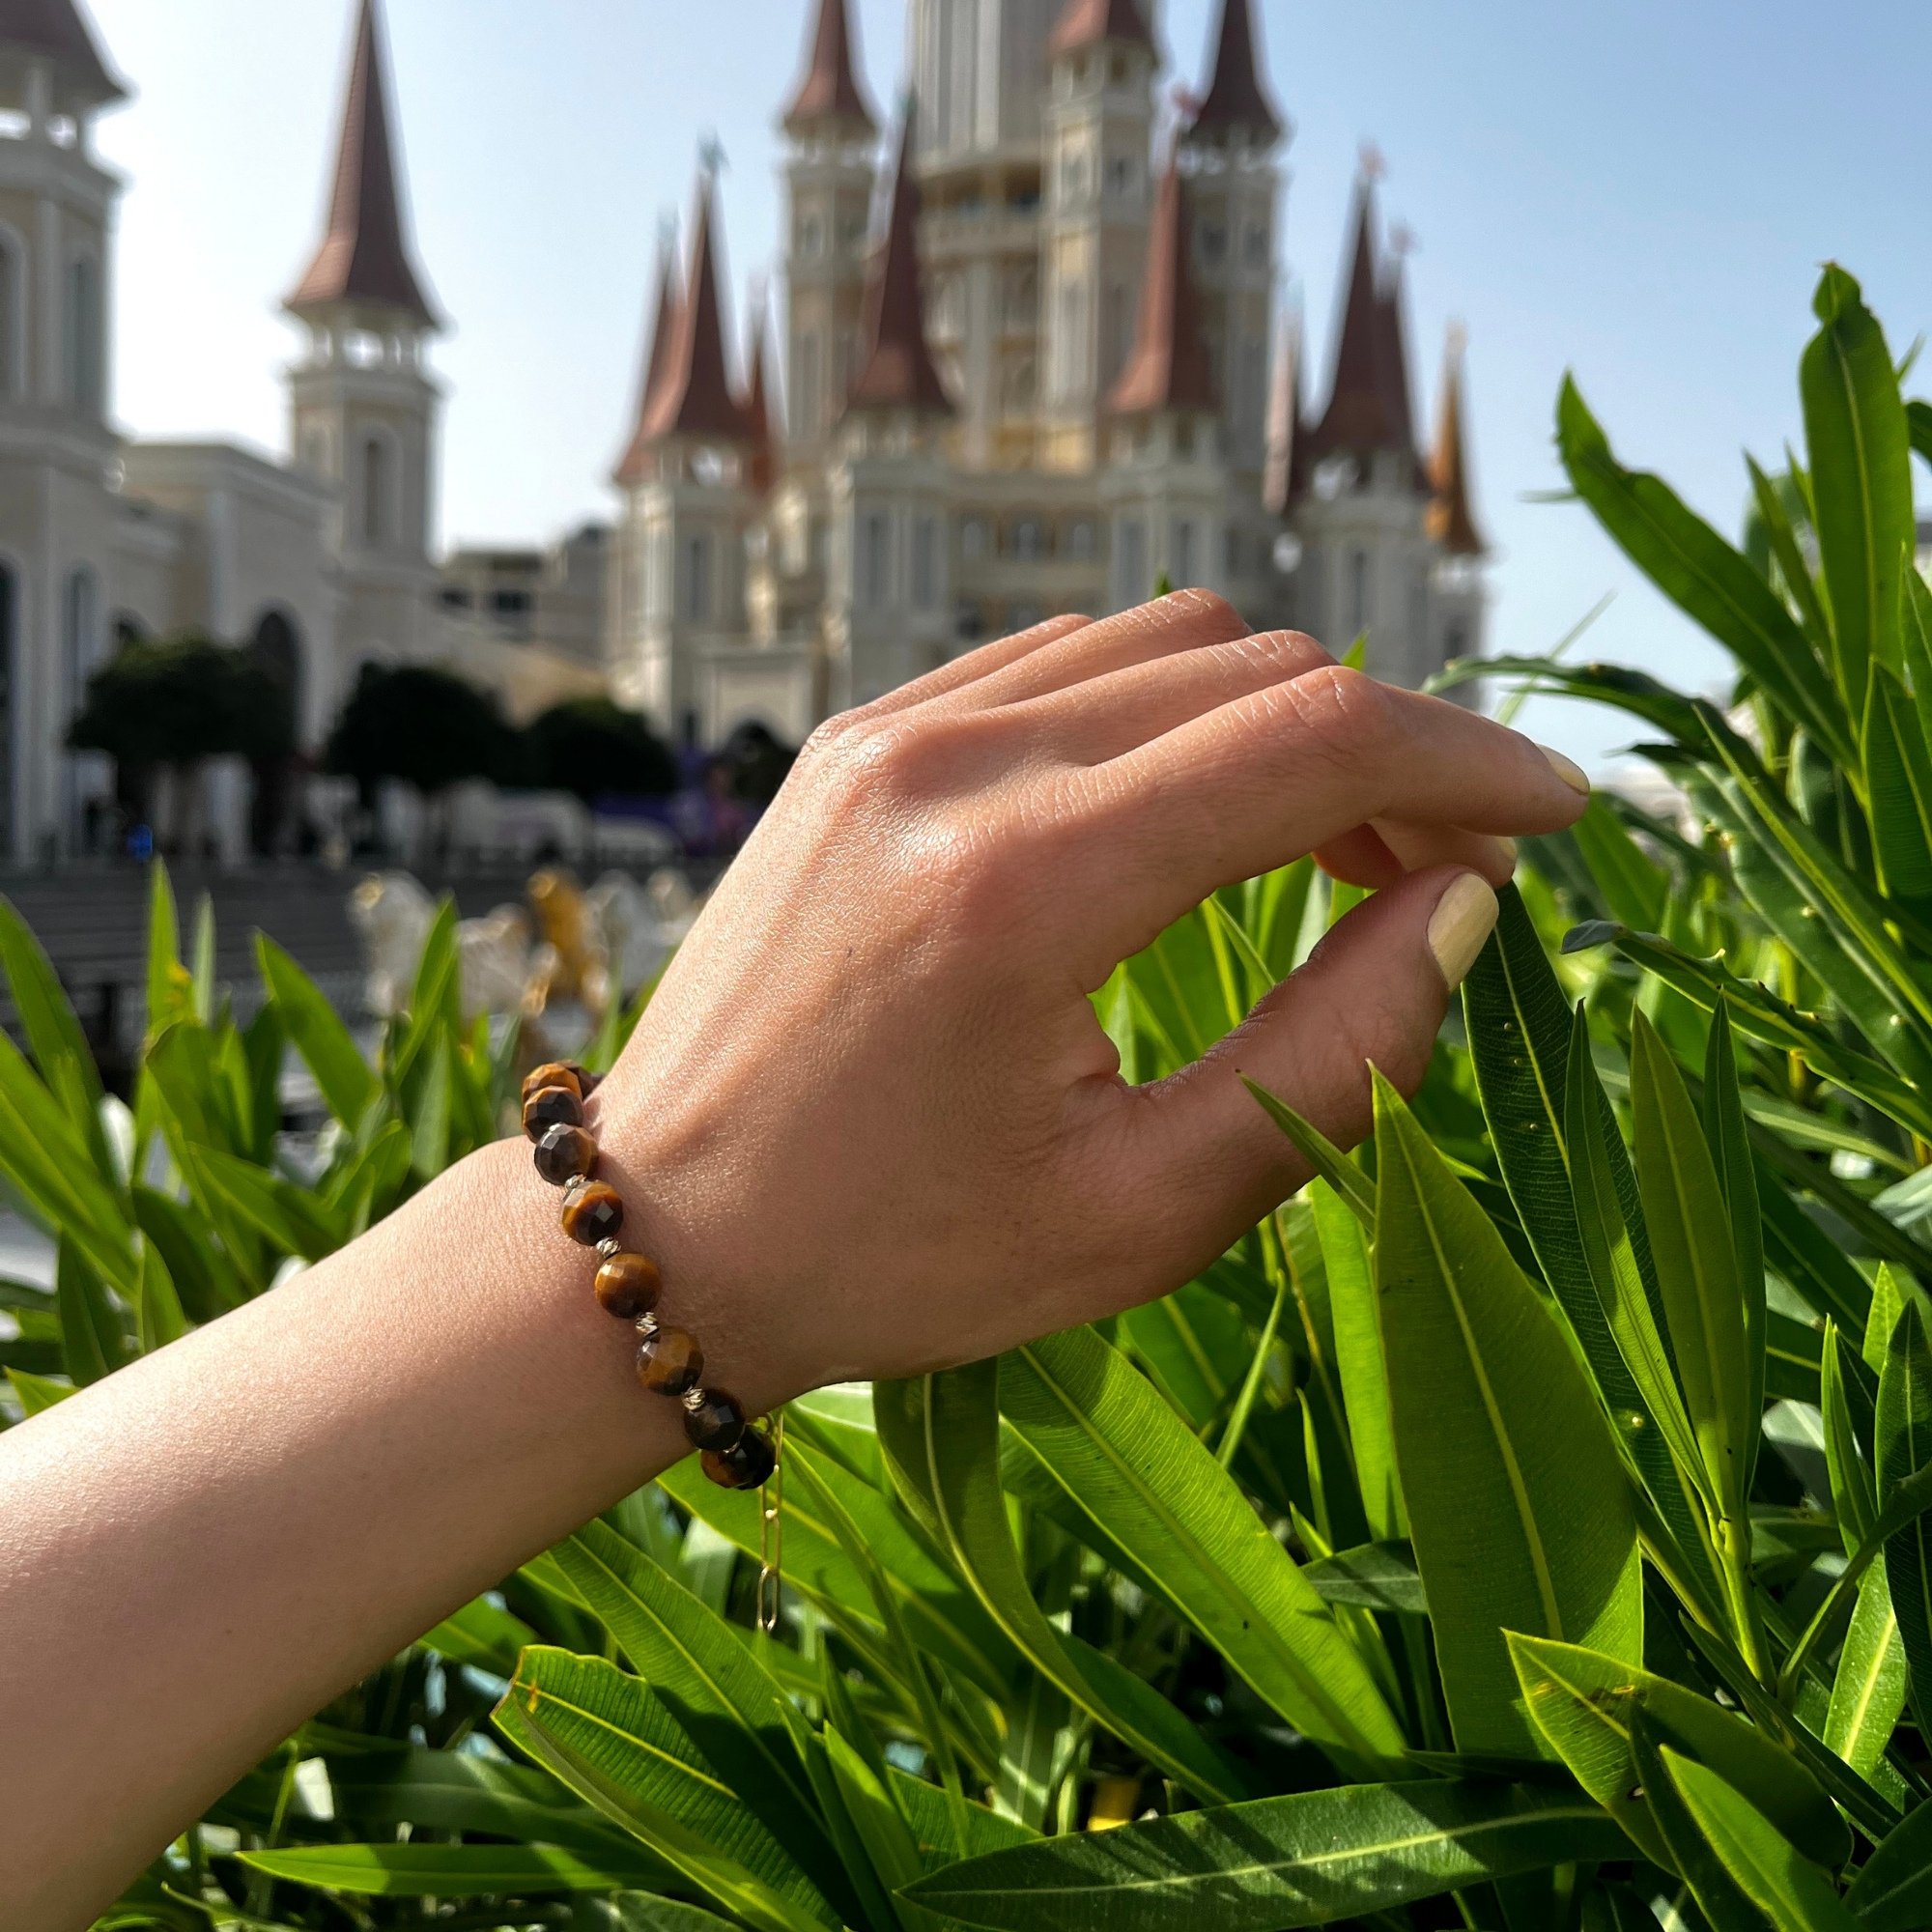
[(1464, 918), (1509, 847), (1567, 770)]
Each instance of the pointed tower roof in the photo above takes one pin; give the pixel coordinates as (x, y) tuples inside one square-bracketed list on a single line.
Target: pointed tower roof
[(693, 397), (364, 257), (663, 329), (899, 370), (1167, 368), (58, 31), (829, 94), (1393, 332), (1236, 101), (761, 467), (1449, 519), (1365, 410), (1088, 23)]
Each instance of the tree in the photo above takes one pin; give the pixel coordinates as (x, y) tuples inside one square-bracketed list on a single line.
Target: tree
[(173, 703), (596, 748), (425, 726)]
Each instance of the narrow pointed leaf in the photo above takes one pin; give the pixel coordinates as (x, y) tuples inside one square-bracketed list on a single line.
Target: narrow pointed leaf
[(1853, 1498), (1729, 1141), (1322, 1154), (1868, 1687), (1893, 1892), (1898, 777), (1518, 1508), (1358, 1361), (347, 1082), (452, 1871), (1310, 1858), (1904, 1443)]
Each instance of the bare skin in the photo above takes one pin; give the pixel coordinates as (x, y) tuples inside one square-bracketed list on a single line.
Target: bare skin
[(871, 1125)]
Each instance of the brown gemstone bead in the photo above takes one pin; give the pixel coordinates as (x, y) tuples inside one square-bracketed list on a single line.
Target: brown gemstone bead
[(587, 1082), (747, 1464), (553, 1073), (627, 1286), (670, 1361), (592, 1212), (551, 1107), (564, 1152), (715, 1421)]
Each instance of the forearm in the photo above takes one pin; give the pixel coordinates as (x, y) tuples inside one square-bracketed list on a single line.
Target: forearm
[(199, 1551)]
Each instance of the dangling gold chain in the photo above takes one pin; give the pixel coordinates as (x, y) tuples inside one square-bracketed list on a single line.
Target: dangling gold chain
[(771, 1533)]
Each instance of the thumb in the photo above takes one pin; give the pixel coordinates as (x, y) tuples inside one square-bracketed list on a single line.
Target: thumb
[(1207, 1161)]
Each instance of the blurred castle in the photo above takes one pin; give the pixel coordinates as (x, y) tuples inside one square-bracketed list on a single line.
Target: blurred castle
[(1050, 372)]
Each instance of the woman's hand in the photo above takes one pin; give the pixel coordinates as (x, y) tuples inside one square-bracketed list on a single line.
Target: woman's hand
[(871, 1124)]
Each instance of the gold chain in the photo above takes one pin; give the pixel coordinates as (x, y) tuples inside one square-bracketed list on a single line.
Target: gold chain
[(771, 1533)]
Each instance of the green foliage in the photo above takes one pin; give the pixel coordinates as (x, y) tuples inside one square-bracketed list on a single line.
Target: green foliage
[(175, 700), (1525, 1526), (428, 728), (593, 747)]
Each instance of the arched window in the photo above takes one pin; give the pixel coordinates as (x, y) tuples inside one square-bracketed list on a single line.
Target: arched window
[(378, 491), (84, 370)]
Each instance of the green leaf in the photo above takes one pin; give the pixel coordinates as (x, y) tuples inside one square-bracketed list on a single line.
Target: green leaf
[(1129, 1464), (1696, 1265), (1792, 567), (1322, 1154), (960, 1438), (1585, 1704), (1371, 1575), (170, 989), (1686, 1849), (1699, 572), (94, 1342), (291, 1216), (158, 1311), (617, 1745), (1729, 1143), (53, 1034), (1868, 1687), (345, 1080), (1859, 453), (1898, 778), (1904, 1446), (1518, 1506), (37, 1392), (692, 1660), (1634, 886), (451, 1871), (1309, 1858), (1789, 1889), (1358, 1361), (1893, 1892)]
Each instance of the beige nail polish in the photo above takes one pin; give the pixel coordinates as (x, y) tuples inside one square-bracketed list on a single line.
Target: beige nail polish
[(1464, 918), (1566, 769)]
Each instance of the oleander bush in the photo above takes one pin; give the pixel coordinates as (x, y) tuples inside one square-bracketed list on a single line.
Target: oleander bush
[(1525, 1528)]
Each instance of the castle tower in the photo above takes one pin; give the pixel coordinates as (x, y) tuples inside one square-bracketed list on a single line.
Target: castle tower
[(889, 600), (828, 181), (979, 72), (1230, 149), (57, 446), (1166, 483), (1451, 520), (1099, 117), (1368, 561), (680, 538), (363, 405)]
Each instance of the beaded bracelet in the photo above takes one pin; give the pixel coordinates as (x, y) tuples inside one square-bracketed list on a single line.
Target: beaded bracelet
[(670, 1361)]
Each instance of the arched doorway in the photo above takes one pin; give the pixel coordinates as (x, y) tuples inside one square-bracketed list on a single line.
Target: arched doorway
[(83, 781), (277, 651)]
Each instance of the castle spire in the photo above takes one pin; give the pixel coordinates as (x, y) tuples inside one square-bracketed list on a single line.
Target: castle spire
[(695, 396), (1167, 368), (761, 466), (1236, 101), (1393, 333), (1450, 519), (364, 258), (899, 371), (1088, 23), (657, 358), (1364, 412), (57, 31), (829, 96)]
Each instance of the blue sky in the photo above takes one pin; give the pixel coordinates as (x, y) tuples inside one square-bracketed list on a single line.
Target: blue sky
[(1639, 192)]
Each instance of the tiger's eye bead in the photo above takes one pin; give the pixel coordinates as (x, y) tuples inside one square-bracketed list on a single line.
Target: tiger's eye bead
[(587, 1082), (670, 1361), (748, 1464), (713, 1419), (564, 1152), (551, 1107), (553, 1073), (627, 1286), (592, 1210)]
